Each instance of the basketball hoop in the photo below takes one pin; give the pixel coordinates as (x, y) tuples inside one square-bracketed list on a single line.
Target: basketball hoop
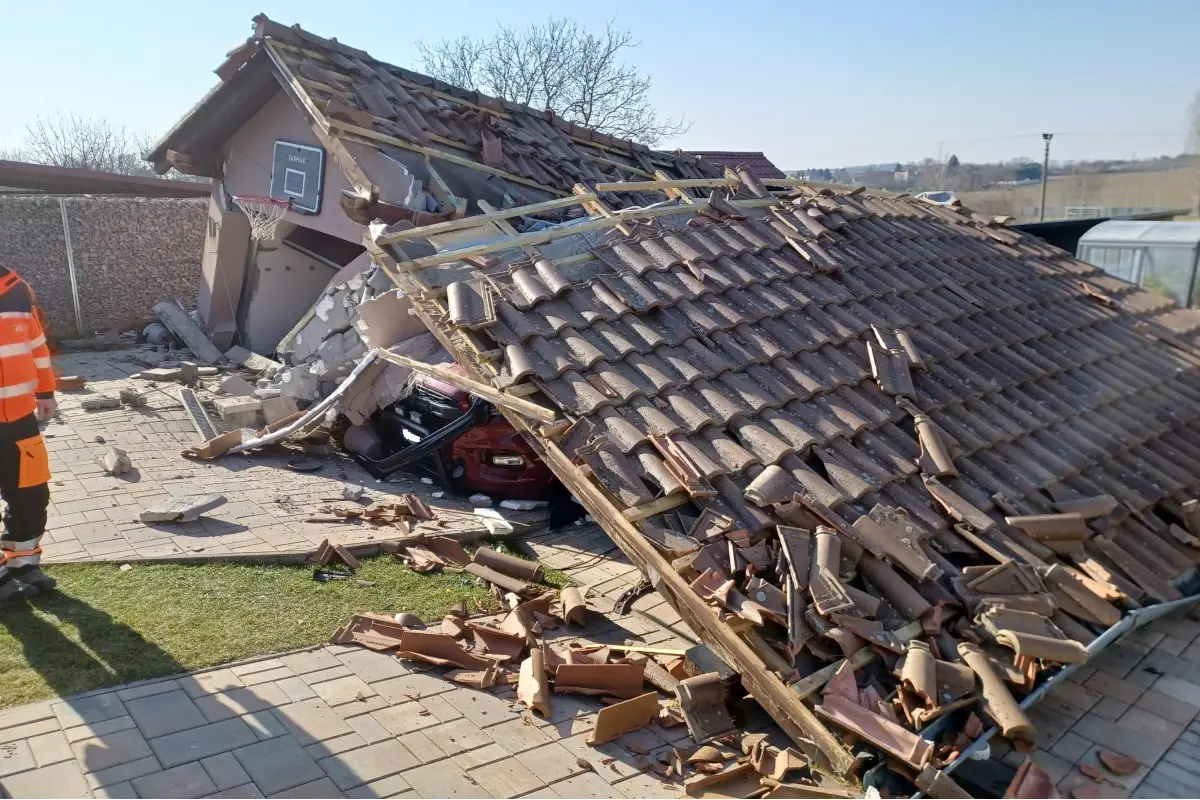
[(264, 214)]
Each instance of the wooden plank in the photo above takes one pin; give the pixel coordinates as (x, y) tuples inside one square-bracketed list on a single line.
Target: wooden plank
[(673, 191), (479, 220), (489, 393), (433, 152), (439, 189), (596, 207), (670, 183), (541, 237), (502, 225)]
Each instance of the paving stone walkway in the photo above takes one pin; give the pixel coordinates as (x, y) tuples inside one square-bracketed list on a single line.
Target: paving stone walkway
[(94, 516), (331, 722), (1141, 699)]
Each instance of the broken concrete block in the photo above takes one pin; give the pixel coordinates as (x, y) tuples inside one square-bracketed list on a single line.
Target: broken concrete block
[(332, 311), (223, 335), (267, 391), (160, 374), (352, 493), (99, 403), (209, 372), (182, 509), (131, 398), (115, 461), (244, 358), (332, 350), (480, 501), (523, 505), (276, 408), (238, 412), (237, 385), (150, 358), (189, 371), (69, 383), (299, 383)]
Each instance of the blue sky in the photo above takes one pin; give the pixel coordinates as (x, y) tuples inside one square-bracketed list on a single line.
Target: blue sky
[(809, 83)]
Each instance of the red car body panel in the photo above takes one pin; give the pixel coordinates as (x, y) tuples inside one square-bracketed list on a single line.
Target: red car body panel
[(476, 448)]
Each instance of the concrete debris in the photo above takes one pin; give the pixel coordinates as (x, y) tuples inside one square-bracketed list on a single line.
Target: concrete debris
[(101, 403), (523, 505), (276, 408), (237, 385), (187, 508), (151, 358), (238, 412), (180, 323), (131, 398), (496, 524), (69, 383), (480, 501), (253, 361), (115, 461), (189, 372), (160, 374), (352, 493)]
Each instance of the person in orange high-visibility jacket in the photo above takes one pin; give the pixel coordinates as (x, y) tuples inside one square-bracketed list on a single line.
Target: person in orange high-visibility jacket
[(26, 396)]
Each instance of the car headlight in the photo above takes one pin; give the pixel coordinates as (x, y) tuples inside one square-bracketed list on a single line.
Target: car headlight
[(506, 460)]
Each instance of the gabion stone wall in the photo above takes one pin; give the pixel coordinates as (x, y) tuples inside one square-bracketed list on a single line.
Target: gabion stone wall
[(130, 253)]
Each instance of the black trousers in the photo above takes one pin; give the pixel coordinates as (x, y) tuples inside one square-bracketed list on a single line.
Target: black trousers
[(24, 485)]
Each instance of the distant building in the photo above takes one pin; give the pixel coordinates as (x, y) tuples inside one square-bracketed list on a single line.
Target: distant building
[(759, 164)]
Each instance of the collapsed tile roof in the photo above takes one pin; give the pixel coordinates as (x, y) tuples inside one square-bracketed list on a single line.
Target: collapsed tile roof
[(368, 100), (760, 166), (841, 359)]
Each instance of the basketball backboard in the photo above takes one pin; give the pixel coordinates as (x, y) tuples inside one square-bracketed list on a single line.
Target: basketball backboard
[(298, 174)]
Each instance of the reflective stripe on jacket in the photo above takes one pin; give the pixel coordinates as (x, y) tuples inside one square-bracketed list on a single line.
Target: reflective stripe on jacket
[(25, 371)]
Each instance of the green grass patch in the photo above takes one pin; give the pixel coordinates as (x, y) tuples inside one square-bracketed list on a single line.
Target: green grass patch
[(105, 627)]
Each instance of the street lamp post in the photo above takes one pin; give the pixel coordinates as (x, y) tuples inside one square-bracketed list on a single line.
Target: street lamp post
[(1046, 137)]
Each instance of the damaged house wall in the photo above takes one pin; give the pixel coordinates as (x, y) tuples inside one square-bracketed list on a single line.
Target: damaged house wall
[(276, 302), (129, 253), (284, 285)]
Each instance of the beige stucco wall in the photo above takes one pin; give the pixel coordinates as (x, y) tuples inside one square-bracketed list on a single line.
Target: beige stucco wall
[(286, 283), (222, 266)]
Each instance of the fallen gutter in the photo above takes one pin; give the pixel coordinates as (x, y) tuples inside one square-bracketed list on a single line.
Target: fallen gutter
[(1130, 622)]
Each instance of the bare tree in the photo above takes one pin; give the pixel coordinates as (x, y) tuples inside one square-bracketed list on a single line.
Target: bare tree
[(558, 65), (71, 141)]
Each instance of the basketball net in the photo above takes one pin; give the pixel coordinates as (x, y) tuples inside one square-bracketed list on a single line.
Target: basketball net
[(264, 214)]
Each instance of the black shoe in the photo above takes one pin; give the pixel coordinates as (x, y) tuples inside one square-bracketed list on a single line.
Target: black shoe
[(37, 579), (15, 590)]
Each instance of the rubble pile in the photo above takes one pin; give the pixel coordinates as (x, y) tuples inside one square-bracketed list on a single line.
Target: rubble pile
[(324, 350)]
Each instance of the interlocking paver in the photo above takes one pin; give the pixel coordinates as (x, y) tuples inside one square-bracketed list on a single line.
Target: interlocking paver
[(311, 721), (507, 778), (278, 764), (443, 780), (201, 683), (246, 790), (320, 788), (264, 724), (124, 773), (424, 749), (368, 763), (469, 759), (118, 791), (589, 784), (517, 736), (391, 786), (186, 780), (481, 708), (342, 690), (1183, 690), (295, 688), (336, 670), (550, 762), (372, 666), (456, 736), (1070, 747), (110, 750), (645, 785), (331, 747), (241, 700), (201, 742), (147, 689), (225, 771), (309, 661), (411, 686), (369, 728), (107, 726), (16, 757), (50, 748), (86, 710), (161, 714), (60, 780)]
